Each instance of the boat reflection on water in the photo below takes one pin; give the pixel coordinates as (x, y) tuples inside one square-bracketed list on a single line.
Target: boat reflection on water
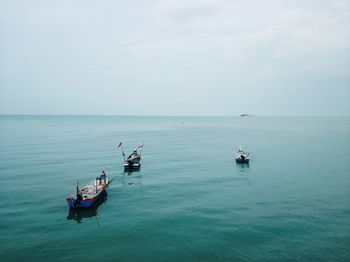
[(132, 178), (131, 171), (243, 167), (78, 214)]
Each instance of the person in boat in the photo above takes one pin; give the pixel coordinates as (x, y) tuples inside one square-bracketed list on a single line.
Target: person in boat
[(134, 155), (103, 177), (79, 197)]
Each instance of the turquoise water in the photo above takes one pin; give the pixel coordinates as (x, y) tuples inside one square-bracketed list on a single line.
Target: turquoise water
[(189, 202)]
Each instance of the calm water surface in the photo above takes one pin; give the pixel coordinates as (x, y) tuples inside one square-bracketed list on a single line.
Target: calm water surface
[(189, 202)]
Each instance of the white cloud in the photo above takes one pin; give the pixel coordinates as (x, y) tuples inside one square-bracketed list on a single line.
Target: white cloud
[(234, 29), (190, 49)]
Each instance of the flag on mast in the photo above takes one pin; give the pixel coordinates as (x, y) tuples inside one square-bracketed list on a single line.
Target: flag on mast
[(119, 145)]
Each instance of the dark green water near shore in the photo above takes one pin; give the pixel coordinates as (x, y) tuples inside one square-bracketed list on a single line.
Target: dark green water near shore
[(189, 202)]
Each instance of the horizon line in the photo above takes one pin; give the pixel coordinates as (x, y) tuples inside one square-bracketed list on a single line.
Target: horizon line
[(150, 115)]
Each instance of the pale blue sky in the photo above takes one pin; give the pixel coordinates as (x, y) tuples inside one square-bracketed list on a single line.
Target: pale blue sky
[(183, 57)]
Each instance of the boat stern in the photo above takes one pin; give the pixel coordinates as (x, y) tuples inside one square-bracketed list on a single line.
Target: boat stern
[(70, 201), (133, 166), (242, 161)]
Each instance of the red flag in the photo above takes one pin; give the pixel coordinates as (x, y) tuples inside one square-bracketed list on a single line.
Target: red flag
[(120, 144)]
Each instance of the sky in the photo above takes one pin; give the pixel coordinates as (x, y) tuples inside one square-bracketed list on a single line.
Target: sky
[(175, 57)]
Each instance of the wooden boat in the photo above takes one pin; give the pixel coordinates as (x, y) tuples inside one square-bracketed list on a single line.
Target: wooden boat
[(86, 196), (242, 157), (133, 161), (78, 214)]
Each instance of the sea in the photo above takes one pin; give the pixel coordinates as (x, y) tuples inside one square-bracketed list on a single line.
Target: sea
[(190, 201)]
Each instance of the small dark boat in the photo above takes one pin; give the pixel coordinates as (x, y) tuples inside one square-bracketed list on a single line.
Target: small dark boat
[(242, 157), (133, 161), (86, 196)]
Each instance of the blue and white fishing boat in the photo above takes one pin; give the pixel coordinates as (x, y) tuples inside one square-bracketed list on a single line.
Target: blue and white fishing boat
[(78, 214), (242, 157), (86, 196)]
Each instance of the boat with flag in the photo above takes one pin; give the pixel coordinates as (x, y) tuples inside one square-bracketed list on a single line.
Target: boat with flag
[(242, 157), (86, 196), (133, 161)]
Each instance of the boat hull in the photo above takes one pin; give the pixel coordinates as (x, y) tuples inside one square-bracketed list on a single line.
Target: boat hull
[(133, 166), (87, 202), (242, 161), (78, 214)]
